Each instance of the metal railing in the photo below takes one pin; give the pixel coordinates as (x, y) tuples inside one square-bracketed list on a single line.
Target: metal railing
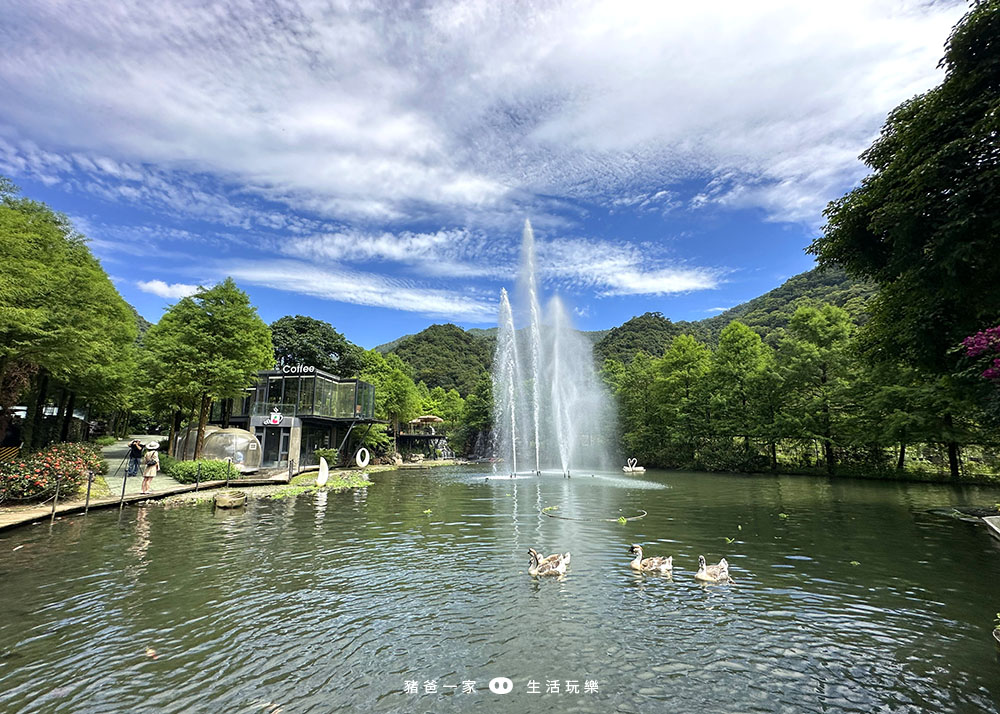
[(264, 409)]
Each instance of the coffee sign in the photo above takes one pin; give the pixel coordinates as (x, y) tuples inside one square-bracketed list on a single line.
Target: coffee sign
[(297, 369)]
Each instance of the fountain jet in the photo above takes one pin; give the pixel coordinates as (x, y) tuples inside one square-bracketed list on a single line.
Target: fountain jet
[(550, 408)]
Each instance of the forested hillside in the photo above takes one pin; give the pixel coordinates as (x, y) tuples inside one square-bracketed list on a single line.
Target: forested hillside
[(774, 309), (651, 333), (450, 357), (446, 356)]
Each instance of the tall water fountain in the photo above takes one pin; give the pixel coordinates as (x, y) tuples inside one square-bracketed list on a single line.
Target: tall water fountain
[(550, 409)]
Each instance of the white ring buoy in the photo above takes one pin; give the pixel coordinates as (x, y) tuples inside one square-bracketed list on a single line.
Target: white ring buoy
[(362, 457)]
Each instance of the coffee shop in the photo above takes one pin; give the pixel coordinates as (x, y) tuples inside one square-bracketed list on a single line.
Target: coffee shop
[(295, 409)]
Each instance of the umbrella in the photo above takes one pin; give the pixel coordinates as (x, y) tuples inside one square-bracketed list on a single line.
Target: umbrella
[(427, 419)]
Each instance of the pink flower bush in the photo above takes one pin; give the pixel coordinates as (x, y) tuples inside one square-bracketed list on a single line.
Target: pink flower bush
[(982, 343), (35, 477)]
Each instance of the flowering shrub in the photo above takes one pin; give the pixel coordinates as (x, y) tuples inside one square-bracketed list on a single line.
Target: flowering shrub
[(35, 476), (986, 342)]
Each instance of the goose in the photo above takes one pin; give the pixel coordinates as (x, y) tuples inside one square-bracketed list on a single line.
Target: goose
[(542, 560), (659, 564), (555, 564), (713, 573)]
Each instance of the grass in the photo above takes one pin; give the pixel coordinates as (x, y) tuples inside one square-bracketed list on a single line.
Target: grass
[(306, 483)]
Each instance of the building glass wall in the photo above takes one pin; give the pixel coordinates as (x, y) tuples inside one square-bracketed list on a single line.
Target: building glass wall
[(319, 395)]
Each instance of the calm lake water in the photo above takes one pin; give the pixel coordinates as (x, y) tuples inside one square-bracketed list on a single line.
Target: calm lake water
[(333, 602)]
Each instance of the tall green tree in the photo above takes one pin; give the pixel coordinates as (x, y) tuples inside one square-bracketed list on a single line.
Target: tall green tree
[(679, 407), (396, 396), (211, 346), (306, 340), (61, 320), (925, 224), (816, 364), (740, 365), (477, 416)]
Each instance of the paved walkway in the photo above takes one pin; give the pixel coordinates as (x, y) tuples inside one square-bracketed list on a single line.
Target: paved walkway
[(163, 486), (114, 456)]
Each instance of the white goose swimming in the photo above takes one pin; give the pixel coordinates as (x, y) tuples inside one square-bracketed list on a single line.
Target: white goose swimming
[(658, 564), (554, 564), (713, 573)]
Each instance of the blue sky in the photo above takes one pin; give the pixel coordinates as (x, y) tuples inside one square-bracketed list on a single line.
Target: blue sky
[(372, 164)]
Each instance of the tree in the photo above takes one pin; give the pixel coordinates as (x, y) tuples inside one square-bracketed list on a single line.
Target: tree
[(396, 396), (739, 365), (61, 320), (448, 405), (477, 417), (209, 346), (680, 399), (816, 364), (925, 224), (306, 340)]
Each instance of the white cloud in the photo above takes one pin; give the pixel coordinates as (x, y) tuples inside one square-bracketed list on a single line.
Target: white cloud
[(717, 309), (463, 113), (167, 290), (361, 288), (613, 269)]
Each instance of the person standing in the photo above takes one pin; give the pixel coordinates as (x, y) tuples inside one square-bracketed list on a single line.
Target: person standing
[(134, 454), (152, 462)]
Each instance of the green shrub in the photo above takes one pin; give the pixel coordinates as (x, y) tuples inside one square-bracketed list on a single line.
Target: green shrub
[(187, 471), (35, 476), (331, 456), (105, 440)]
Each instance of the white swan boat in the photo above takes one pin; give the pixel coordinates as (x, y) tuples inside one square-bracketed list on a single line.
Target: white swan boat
[(631, 468)]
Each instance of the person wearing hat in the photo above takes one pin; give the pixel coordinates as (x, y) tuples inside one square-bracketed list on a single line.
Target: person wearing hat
[(152, 464)]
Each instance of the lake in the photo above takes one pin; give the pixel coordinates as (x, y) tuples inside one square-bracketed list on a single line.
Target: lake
[(856, 599)]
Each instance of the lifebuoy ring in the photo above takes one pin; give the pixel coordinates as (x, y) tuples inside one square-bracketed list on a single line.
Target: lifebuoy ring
[(362, 457)]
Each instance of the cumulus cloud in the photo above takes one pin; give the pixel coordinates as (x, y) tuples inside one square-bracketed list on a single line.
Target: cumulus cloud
[(171, 291), (495, 109)]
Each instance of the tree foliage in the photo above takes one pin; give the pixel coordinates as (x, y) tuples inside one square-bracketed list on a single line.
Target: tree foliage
[(924, 225), (306, 340), (207, 346), (61, 319)]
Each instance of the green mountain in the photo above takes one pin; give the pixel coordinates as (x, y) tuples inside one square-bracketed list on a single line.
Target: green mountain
[(772, 310), (450, 357), (446, 355), (652, 332)]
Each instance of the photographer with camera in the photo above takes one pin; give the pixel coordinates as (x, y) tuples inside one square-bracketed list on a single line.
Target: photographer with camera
[(134, 455)]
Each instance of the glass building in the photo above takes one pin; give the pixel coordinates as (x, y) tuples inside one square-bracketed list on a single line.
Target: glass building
[(296, 409)]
